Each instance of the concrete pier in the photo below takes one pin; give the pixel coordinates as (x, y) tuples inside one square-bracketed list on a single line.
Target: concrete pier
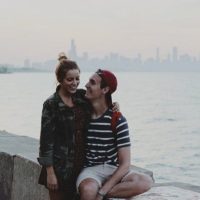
[(19, 179)]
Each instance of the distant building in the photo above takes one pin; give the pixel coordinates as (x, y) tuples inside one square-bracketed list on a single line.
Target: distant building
[(157, 55), (27, 63), (72, 51), (174, 54), (116, 62)]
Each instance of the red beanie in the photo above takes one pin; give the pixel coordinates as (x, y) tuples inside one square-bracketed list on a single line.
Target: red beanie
[(109, 78)]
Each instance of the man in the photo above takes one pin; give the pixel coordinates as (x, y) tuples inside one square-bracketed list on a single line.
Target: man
[(106, 173)]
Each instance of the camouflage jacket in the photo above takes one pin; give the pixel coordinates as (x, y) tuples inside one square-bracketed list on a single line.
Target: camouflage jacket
[(62, 135)]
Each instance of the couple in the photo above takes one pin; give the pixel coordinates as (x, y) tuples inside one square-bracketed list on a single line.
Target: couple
[(79, 150)]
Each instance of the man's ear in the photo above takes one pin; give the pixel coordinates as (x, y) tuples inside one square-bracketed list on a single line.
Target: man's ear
[(105, 90)]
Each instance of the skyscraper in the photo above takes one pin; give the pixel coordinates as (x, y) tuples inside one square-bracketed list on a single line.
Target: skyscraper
[(72, 51), (174, 54), (157, 55)]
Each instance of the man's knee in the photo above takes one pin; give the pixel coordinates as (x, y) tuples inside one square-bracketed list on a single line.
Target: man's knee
[(145, 183), (141, 182), (88, 187)]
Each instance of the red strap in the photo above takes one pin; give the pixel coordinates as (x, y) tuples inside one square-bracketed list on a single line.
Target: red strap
[(115, 118)]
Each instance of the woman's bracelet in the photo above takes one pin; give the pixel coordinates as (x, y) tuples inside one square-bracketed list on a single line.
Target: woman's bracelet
[(102, 194)]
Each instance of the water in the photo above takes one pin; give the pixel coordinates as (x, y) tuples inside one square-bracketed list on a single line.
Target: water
[(163, 111)]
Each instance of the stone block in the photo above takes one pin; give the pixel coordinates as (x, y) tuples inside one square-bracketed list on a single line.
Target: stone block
[(25, 180), (19, 179), (168, 192), (6, 175)]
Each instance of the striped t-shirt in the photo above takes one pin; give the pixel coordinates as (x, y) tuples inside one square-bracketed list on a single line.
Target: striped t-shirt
[(102, 144)]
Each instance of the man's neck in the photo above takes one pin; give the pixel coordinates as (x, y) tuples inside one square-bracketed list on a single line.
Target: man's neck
[(99, 108)]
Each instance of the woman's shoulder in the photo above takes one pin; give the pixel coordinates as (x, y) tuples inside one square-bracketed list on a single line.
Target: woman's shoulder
[(51, 100)]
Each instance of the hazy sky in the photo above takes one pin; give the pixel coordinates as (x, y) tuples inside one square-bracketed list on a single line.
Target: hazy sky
[(40, 29)]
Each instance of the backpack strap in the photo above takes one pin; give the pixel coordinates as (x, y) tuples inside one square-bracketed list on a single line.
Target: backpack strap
[(115, 117)]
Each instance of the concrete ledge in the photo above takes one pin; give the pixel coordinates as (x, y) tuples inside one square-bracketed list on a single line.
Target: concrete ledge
[(184, 186), (6, 176), (169, 192), (19, 179), (19, 174)]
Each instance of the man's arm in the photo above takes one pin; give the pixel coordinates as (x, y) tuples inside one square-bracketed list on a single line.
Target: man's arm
[(120, 172)]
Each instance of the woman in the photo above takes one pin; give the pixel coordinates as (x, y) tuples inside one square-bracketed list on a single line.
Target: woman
[(64, 118)]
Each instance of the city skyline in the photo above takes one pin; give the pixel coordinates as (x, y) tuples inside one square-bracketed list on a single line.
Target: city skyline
[(39, 30), (173, 61)]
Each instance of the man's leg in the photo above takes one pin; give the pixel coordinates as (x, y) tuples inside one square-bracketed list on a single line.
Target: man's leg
[(88, 189), (131, 185)]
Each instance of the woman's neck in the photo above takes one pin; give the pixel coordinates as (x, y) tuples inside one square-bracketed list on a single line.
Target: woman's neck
[(66, 97)]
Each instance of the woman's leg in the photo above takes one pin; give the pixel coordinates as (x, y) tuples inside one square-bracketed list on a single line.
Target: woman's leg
[(56, 195)]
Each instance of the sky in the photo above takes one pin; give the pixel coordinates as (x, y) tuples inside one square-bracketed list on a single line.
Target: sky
[(39, 29)]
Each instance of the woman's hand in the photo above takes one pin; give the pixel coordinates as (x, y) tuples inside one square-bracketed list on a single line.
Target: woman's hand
[(52, 182), (115, 107)]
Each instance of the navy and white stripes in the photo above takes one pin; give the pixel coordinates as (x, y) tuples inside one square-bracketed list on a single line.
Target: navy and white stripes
[(102, 144)]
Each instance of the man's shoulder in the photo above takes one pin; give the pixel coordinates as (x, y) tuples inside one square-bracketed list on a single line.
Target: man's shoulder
[(114, 115), (80, 93), (118, 116)]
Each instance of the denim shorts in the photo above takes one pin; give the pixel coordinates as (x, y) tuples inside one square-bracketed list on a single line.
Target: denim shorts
[(99, 173)]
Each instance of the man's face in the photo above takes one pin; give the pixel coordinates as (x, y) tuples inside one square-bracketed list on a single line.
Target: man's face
[(93, 90)]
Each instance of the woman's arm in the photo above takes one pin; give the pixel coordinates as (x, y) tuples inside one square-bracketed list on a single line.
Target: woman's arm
[(52, 182), (47, 140)]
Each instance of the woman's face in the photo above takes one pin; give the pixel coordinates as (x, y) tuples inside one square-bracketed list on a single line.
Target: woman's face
[(71, 81)]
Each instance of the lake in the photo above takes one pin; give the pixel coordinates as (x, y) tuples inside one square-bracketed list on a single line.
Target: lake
[(162, 109)]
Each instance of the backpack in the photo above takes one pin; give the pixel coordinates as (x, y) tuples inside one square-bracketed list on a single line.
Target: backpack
[(115, 117)]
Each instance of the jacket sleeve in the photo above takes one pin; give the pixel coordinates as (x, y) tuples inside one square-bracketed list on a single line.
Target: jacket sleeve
[(47, 135)]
